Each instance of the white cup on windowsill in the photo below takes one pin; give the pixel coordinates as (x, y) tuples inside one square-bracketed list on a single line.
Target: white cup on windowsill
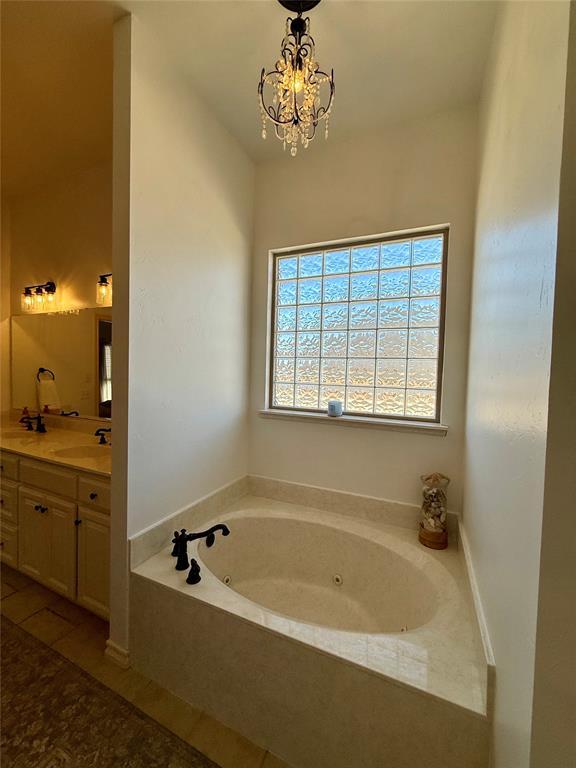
[(334, 407)]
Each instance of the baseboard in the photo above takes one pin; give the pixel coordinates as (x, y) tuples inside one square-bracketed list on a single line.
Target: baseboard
[(117, 654)]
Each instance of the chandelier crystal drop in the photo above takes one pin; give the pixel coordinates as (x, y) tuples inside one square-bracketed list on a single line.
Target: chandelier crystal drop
[(296, 95)]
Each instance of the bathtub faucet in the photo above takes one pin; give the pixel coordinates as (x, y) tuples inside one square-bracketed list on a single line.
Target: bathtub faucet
[(180, 549)]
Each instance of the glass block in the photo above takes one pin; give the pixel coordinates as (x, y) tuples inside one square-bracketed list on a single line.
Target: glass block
[(393, 313), (334, 344), (306, 396), (310, 265), (392, 343), (284, 369), (309, 291), (287, 268), (286, 319), (309, 317), (362, 344), (426, 281), (335, 317), (336, 288), (423, 342), (333, 371), (390, 373), (424, 312), (283, 395), (421, 402), (359, 400), (307, 370), (396, 254), (427, 250), (287, 292), (336, 262), (360, 373), (421, 374), (364, 286), (365, 257), (389, 401), (285, 344), (394, 282), (330, 393), (363, 314), (308, 345)]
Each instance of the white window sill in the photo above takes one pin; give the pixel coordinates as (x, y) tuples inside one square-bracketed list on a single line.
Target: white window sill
[(357, 421)]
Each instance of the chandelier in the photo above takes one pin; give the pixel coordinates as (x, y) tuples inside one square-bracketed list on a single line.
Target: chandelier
[(296, 95)]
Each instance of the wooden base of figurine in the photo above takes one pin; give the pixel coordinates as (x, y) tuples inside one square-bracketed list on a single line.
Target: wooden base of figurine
[(433, 539)]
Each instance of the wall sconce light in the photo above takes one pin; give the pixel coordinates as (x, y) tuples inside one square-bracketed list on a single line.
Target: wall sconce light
[(39, 297), (104, 289)]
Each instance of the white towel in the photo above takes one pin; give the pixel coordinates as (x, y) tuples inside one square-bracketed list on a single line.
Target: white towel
[(48, 395)]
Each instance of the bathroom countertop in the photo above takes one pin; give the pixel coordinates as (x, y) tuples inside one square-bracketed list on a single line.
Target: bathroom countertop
[(64, 447)]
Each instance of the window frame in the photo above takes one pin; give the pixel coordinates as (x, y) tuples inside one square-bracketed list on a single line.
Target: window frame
[(277, 253)]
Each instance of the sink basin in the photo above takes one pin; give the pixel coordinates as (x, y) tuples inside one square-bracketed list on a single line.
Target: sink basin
[(84, 452)]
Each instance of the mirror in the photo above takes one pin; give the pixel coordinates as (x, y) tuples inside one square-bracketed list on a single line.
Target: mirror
[(75, 350)]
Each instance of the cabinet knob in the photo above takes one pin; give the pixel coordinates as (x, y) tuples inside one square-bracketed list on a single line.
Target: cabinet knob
[(38, 507), (43, 509), (77, 522), (93, 495), (1, 502), (1, 545)]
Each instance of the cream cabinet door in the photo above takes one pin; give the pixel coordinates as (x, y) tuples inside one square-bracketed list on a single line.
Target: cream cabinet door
[(60, 573), (94, 561), (9, 544), (33, 529)]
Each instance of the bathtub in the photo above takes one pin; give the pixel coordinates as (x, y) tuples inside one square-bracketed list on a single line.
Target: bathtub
[(311, 622)]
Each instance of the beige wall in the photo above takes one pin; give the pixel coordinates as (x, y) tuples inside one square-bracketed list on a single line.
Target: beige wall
[(554, 713), (190, 250), (63, 232), (5, 305), (414, 175), (511, 333)]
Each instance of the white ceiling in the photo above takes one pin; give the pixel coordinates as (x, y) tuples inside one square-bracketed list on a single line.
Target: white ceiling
[(391, 60)]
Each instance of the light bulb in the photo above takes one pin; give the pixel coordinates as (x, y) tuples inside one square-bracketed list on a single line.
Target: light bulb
[(27, 300), (103, 291), (39, 299), (298, 82)]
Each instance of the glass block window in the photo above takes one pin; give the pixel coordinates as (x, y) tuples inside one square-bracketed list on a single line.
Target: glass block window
[(361, 323)]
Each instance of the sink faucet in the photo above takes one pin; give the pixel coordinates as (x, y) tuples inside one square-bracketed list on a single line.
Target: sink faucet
[(40, 426), (101, 434), (180, 549)]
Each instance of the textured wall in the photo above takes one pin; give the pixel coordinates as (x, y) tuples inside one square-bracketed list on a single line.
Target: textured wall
[(414, 175), (191, 197), (511, 334)]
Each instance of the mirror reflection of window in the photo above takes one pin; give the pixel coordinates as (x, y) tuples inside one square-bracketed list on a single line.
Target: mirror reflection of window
[(105, 368)]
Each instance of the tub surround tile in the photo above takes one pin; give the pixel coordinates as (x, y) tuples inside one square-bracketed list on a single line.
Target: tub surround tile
[(151, 541), (340, 502), (307, 706), (440, 658)]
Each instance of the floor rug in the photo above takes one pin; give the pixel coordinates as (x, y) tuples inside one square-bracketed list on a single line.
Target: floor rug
[(55, 715)]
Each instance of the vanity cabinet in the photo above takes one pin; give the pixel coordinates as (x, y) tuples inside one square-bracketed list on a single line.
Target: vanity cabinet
[(55, 527), (93, 560), (47, 540)]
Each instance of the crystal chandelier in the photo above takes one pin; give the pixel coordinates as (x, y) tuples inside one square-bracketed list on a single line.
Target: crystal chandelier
[(296, 95)]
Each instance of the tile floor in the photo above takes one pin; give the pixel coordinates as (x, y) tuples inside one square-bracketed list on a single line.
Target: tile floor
[(80, 637)]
